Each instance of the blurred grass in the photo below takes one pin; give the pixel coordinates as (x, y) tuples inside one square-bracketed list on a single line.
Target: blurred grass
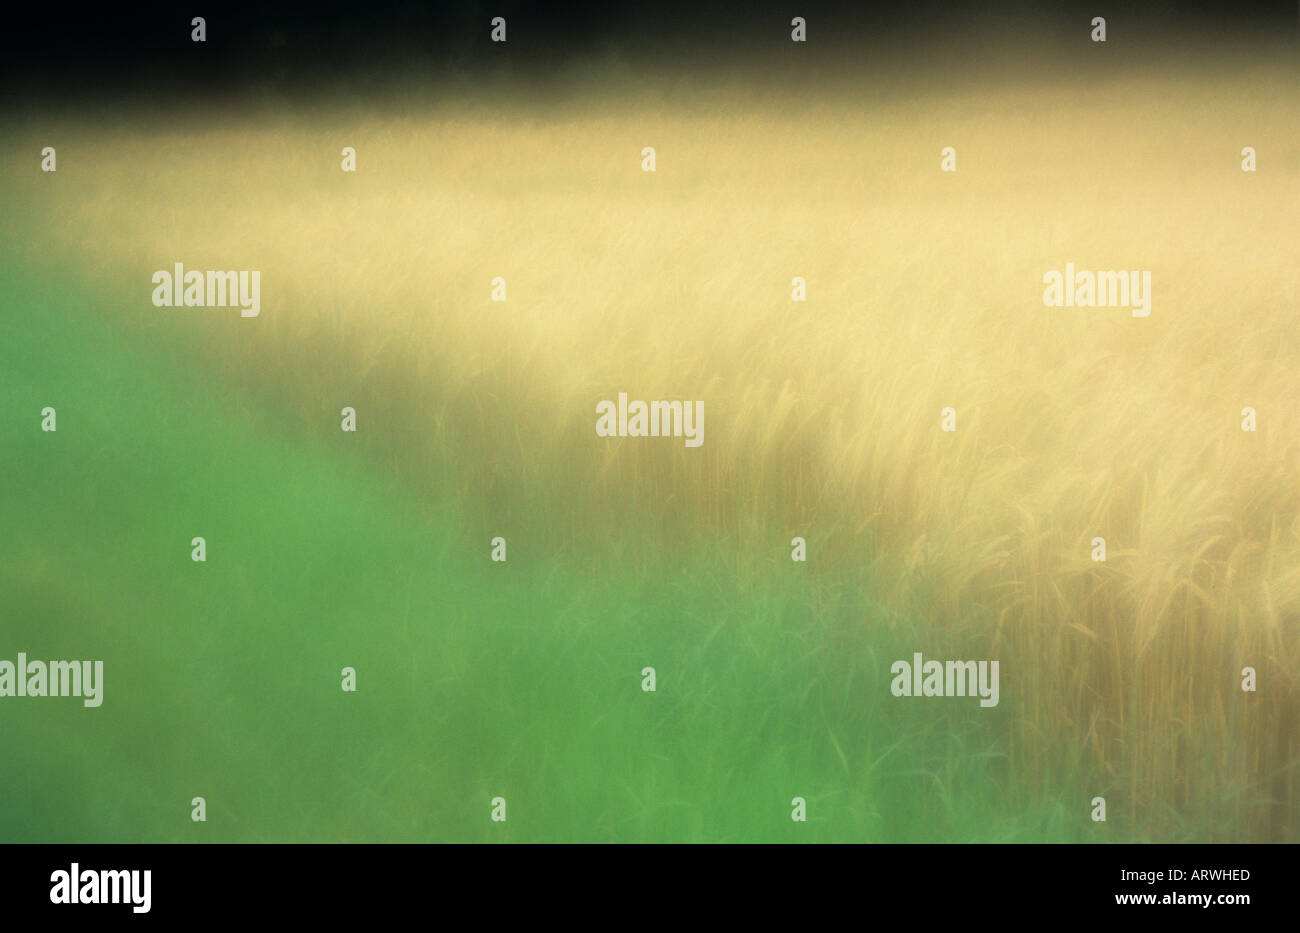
[(523, 679), (476, 419)]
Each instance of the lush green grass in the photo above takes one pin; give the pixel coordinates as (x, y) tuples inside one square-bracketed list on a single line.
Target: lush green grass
[(475, 679)]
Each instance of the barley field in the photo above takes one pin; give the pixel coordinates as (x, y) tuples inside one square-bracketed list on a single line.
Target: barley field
[(1120, 679)]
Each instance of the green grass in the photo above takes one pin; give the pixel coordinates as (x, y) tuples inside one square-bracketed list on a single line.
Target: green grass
[(475, 679)]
